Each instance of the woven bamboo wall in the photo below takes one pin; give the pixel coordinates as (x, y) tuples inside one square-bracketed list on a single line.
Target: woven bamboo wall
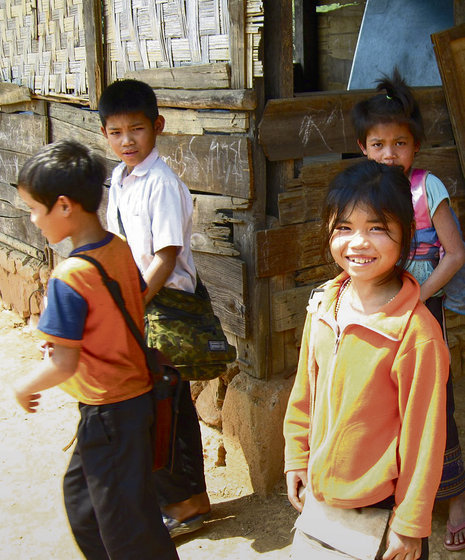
[(143, 34), (42, 45)]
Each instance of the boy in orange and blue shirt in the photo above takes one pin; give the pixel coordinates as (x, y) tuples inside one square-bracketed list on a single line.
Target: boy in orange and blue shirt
[(109, 493)]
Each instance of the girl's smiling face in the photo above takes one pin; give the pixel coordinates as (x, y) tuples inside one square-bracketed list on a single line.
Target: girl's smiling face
[(391, 144), (365, 247)]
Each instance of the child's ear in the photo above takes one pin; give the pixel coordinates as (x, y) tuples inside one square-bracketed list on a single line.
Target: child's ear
[(65, 204), (104, 131), (417, 147), (159, 124), (362, 147)]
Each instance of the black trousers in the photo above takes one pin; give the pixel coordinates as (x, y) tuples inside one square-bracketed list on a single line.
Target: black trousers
[(453, 473), (187, 473), (108, 488)]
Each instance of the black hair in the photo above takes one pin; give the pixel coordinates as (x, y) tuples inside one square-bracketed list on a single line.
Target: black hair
[(383, 188), (127, 96), (397, 104), (64, 168)]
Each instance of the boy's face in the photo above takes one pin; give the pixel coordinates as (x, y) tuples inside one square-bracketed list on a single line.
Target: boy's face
[(132, 136), (391, 144), (53, 224)]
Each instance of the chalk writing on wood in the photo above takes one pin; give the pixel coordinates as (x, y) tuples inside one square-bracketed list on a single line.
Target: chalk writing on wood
[(210, 163)]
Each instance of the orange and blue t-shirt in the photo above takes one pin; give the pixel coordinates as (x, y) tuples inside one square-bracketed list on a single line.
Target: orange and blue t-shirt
[(80, 312)]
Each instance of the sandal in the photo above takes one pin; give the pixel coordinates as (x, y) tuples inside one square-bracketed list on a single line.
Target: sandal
[(453, 531), (177, 528)]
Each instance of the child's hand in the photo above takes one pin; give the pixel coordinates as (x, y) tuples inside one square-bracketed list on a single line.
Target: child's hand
[(294, 480), (46, 349), (401, 547), (27, 400)]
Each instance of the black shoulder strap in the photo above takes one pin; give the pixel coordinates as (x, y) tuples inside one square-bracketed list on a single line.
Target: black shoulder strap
[(115, 291)]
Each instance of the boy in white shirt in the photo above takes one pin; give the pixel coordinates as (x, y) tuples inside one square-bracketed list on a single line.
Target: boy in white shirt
[(152, 208)]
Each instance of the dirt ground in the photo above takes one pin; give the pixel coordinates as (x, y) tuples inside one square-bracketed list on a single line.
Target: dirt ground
[(33, 523)]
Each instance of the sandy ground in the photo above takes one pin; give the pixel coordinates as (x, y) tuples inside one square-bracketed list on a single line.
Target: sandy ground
[(33, 523)]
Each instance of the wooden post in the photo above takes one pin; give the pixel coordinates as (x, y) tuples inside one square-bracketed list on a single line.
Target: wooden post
[(459, 12), (279, 83), (237, 44), (94, 52), (305, 45)]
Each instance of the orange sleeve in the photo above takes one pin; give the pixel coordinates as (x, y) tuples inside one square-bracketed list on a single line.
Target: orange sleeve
[(297, 417), (422, 374)]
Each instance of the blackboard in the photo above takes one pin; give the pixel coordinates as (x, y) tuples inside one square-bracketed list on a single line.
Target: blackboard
[(398, 33)]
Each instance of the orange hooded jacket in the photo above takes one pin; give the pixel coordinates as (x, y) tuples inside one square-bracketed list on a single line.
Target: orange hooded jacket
[(378, 392)]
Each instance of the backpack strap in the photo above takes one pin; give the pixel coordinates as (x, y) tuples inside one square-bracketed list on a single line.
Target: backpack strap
[(419, 198)]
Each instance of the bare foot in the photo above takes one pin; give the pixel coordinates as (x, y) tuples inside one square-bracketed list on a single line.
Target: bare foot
[(197, 504), (456, 521)]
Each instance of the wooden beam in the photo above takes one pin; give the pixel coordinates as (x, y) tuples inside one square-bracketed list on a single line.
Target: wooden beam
[(234, 99), (319, 123), (237, 51), (279, 83), (205, 76), (278, 63), (94, 51), (305, 45), (12, 93), (449, 47)]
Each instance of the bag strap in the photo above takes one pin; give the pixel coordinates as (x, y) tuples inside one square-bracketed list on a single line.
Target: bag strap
[(115, 292)]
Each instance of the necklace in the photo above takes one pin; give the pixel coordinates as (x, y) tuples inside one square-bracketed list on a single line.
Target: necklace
[(342, 291)]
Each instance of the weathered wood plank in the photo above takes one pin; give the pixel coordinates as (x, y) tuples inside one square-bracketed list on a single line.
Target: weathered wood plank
[(210, 163), (22, 132), (10, 164), (318, 123), (205, 76), (92, 17), (62, 128), (289, 307), (211, 217), (39, 107), (15, 221), (234, 99), (449, 47), (12, 93), (289, 248), (226, 282), (237, 42), (304, 202), (188, 121)]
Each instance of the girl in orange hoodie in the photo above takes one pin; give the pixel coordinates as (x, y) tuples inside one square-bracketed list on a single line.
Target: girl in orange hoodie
[(365, 423)]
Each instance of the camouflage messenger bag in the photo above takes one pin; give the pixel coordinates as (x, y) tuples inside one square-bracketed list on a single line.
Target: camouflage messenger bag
[(183, 326)]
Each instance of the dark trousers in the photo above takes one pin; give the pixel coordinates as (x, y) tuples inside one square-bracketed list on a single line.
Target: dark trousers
[(186, 477), (453, 474), (109, 493)]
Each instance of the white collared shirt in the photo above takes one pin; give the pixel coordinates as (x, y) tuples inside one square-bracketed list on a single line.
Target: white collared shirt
[(156, 212)]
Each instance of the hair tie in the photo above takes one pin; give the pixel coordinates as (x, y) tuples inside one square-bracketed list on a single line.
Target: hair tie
[(388, 97)]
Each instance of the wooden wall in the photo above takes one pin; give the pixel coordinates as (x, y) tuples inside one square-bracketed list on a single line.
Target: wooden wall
[(206, 141)]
